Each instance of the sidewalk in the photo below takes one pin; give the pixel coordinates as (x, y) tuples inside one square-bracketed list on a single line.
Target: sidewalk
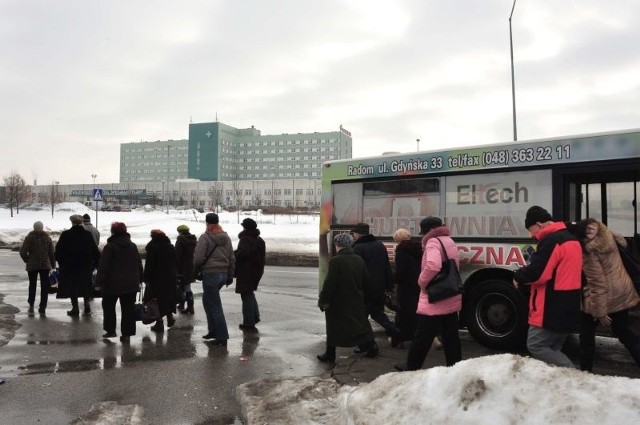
[(354, 369)]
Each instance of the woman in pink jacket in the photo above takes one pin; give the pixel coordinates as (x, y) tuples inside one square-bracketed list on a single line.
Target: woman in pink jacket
[(439, 318)]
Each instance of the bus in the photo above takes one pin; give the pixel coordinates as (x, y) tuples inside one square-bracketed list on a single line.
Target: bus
[(483, 193)]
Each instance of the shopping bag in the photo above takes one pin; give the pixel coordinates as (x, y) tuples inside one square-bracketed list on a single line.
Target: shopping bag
[(54, 280), (147, 312)]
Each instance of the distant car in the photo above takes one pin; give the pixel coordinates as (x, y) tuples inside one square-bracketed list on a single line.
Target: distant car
[(106, 208), (121, 208)]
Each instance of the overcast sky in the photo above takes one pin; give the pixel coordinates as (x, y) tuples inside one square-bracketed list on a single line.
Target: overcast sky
[(78, 77)]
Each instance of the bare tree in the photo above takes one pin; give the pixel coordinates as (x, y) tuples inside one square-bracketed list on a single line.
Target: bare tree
[(55, 197), (16, 191), (237, 196), (216, 194)]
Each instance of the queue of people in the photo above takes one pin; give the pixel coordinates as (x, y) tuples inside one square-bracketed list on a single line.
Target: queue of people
[(166, 277), (576, 279)]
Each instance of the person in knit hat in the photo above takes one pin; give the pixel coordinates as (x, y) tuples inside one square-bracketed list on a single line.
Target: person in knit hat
[(86, 221), (185, 247), (342, 301), (555, 277), (250, 259)]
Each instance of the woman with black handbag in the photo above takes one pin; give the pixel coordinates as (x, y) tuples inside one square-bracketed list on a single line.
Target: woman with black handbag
[(118, 278), (440, 317)]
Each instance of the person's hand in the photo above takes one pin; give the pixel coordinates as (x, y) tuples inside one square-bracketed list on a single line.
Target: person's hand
[(229, 281), (605, 320), (321, 309), (516, 284)]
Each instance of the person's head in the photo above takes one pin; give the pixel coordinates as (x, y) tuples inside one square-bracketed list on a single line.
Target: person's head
[(118, 228), (428, 223), (37, 226), (211, 219), (183, 229), (360, 230), (591, 228), (156, 232), (86, 218), (401, 235), (536, 219), (342, 240), (76, 219), (249, 224)]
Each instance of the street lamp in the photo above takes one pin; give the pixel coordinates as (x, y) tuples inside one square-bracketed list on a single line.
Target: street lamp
[(418, 144), (513, 84), (168, 147)]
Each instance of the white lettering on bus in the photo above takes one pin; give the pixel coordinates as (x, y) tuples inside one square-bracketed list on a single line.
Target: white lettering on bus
[(488, 194), (359, 170), (404, 167), (482, 226)]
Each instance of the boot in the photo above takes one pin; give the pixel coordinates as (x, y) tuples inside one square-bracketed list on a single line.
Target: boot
[(170, 320), (189, 308), (329, 356), (158, 327)]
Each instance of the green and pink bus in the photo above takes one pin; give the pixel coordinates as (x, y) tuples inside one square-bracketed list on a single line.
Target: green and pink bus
[(482, 193)]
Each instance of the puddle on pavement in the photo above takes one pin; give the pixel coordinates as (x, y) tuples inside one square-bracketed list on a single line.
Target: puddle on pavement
[(172, 345)]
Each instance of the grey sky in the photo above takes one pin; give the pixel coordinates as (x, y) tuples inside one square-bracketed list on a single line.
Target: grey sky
[(77, 77)]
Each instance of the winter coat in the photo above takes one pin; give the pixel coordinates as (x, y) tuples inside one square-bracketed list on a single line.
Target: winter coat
[(221, 260), (555, 276), (95, 233), (250, 257), (77, 255), (185, 247), (376, 257), (120, 266), (37, 251), (408, 257), (431, 265), (608, 288), (342, 299), (161, 273)]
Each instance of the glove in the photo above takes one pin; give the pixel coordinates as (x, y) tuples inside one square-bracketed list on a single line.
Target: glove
[(321, 309), (229, 281)]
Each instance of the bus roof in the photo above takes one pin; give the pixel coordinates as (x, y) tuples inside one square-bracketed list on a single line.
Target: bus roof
[(621, 144)]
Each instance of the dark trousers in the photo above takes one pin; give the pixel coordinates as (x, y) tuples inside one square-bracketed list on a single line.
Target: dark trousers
[(621, 329), (376, 311), (250, 311), (44, 287), (427, 329), (128, 314)]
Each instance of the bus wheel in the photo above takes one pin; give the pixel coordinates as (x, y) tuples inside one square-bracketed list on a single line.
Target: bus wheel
[(495, 313)]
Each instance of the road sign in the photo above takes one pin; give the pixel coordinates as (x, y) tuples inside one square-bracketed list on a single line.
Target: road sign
[(97, 195)]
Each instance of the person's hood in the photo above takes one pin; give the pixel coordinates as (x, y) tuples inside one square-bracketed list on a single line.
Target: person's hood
[(158, 240), (120, 239), (436, 232)]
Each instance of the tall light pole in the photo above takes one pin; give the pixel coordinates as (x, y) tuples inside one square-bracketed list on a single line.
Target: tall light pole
[(418, 144), (513, 84), (93, 176)]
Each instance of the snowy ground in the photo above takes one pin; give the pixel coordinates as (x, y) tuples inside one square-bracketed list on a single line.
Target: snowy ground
[(501, 389), (282, 233)]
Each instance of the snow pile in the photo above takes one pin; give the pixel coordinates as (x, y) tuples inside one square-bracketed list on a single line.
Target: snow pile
[(501, 389)]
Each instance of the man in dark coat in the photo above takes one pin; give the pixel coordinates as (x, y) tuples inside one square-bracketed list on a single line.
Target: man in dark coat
[(250, 256), (161, 277), (77, 255), (342, 300), (185, 247), (375, 256), (119, 277), (38, 253)]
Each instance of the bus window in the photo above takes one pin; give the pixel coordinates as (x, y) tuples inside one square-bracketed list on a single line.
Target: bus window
[(347, 203)]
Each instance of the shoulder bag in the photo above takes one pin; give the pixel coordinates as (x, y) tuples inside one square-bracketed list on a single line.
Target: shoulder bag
[(447, 283), (199, 274)]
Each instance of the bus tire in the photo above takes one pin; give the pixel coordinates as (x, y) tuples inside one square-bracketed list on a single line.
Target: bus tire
[(495, 313)]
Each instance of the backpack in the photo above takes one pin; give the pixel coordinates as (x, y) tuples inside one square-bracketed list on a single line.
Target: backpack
[(631, 265)]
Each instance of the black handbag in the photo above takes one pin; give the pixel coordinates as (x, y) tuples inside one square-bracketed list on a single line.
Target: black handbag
[(147, 311), (447, 283)]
